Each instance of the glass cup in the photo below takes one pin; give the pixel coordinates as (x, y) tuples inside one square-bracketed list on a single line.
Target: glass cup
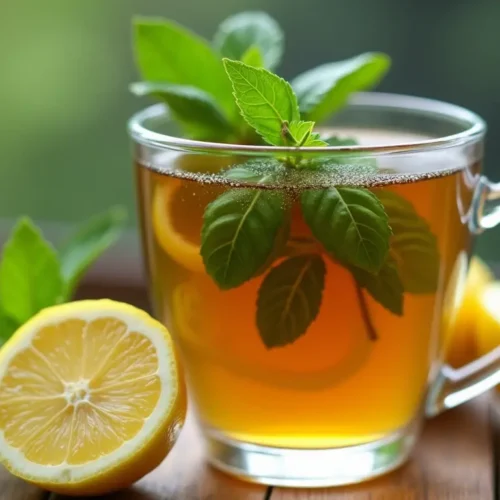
[(344, 401)]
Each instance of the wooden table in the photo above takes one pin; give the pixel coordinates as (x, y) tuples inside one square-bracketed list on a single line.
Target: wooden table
[(457, 458)]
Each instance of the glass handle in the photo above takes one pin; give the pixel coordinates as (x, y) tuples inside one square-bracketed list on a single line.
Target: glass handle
[(455, 386), (485, 207)]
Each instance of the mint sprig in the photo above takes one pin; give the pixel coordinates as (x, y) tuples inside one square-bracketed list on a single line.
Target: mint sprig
[(266, 101), (169, 54), (34, 275), (227, 92)]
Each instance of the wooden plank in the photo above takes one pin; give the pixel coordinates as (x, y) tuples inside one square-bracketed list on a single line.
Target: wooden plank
[(184, 475), (453, 461), (495, 421)]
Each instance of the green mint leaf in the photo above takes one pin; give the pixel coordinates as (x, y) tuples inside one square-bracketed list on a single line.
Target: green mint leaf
[(279, 247), (253, 171), (87, 244), (240, 32), (7, 327), (253, 57), (266, 101), (166, 52), (289, 299), (315, 141), (413, 245), (324, 90), (385, 287), (238, 234), (196, 110), (300, 131), (243, 175), (351, 223), (30, 276)]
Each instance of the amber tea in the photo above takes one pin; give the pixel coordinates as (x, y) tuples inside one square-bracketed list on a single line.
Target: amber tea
[(360, 371)]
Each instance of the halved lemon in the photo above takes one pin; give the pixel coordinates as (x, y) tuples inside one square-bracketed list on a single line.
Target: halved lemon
[(90, 397), (463, 340)]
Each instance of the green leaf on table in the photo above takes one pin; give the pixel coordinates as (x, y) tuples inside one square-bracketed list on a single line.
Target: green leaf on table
[(87, 244), (351, 223), (289, 299), (413, 245), (238, 234), (385, 287), (324, 90), (30, 276), (195, 109), (266, 101), (238, 33), (7, 327), (168, 53), (253, 57)]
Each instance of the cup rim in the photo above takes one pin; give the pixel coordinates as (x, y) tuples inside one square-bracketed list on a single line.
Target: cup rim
[(425, 106)]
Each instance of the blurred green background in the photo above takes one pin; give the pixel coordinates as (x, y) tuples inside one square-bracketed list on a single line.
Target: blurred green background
[(66, 66)]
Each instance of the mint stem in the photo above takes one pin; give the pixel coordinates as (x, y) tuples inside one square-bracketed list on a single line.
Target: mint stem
[(365, 313)]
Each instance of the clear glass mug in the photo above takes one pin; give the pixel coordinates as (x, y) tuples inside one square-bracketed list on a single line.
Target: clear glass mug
[(345, 401)]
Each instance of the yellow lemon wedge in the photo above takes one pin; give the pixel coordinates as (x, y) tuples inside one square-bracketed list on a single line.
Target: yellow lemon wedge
[(463, 341), (91, 398)]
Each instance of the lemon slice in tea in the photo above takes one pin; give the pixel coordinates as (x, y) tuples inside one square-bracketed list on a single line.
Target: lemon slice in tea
[(178, 207)]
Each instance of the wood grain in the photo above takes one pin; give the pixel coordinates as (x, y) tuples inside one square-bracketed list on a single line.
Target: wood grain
[(453, 461)]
